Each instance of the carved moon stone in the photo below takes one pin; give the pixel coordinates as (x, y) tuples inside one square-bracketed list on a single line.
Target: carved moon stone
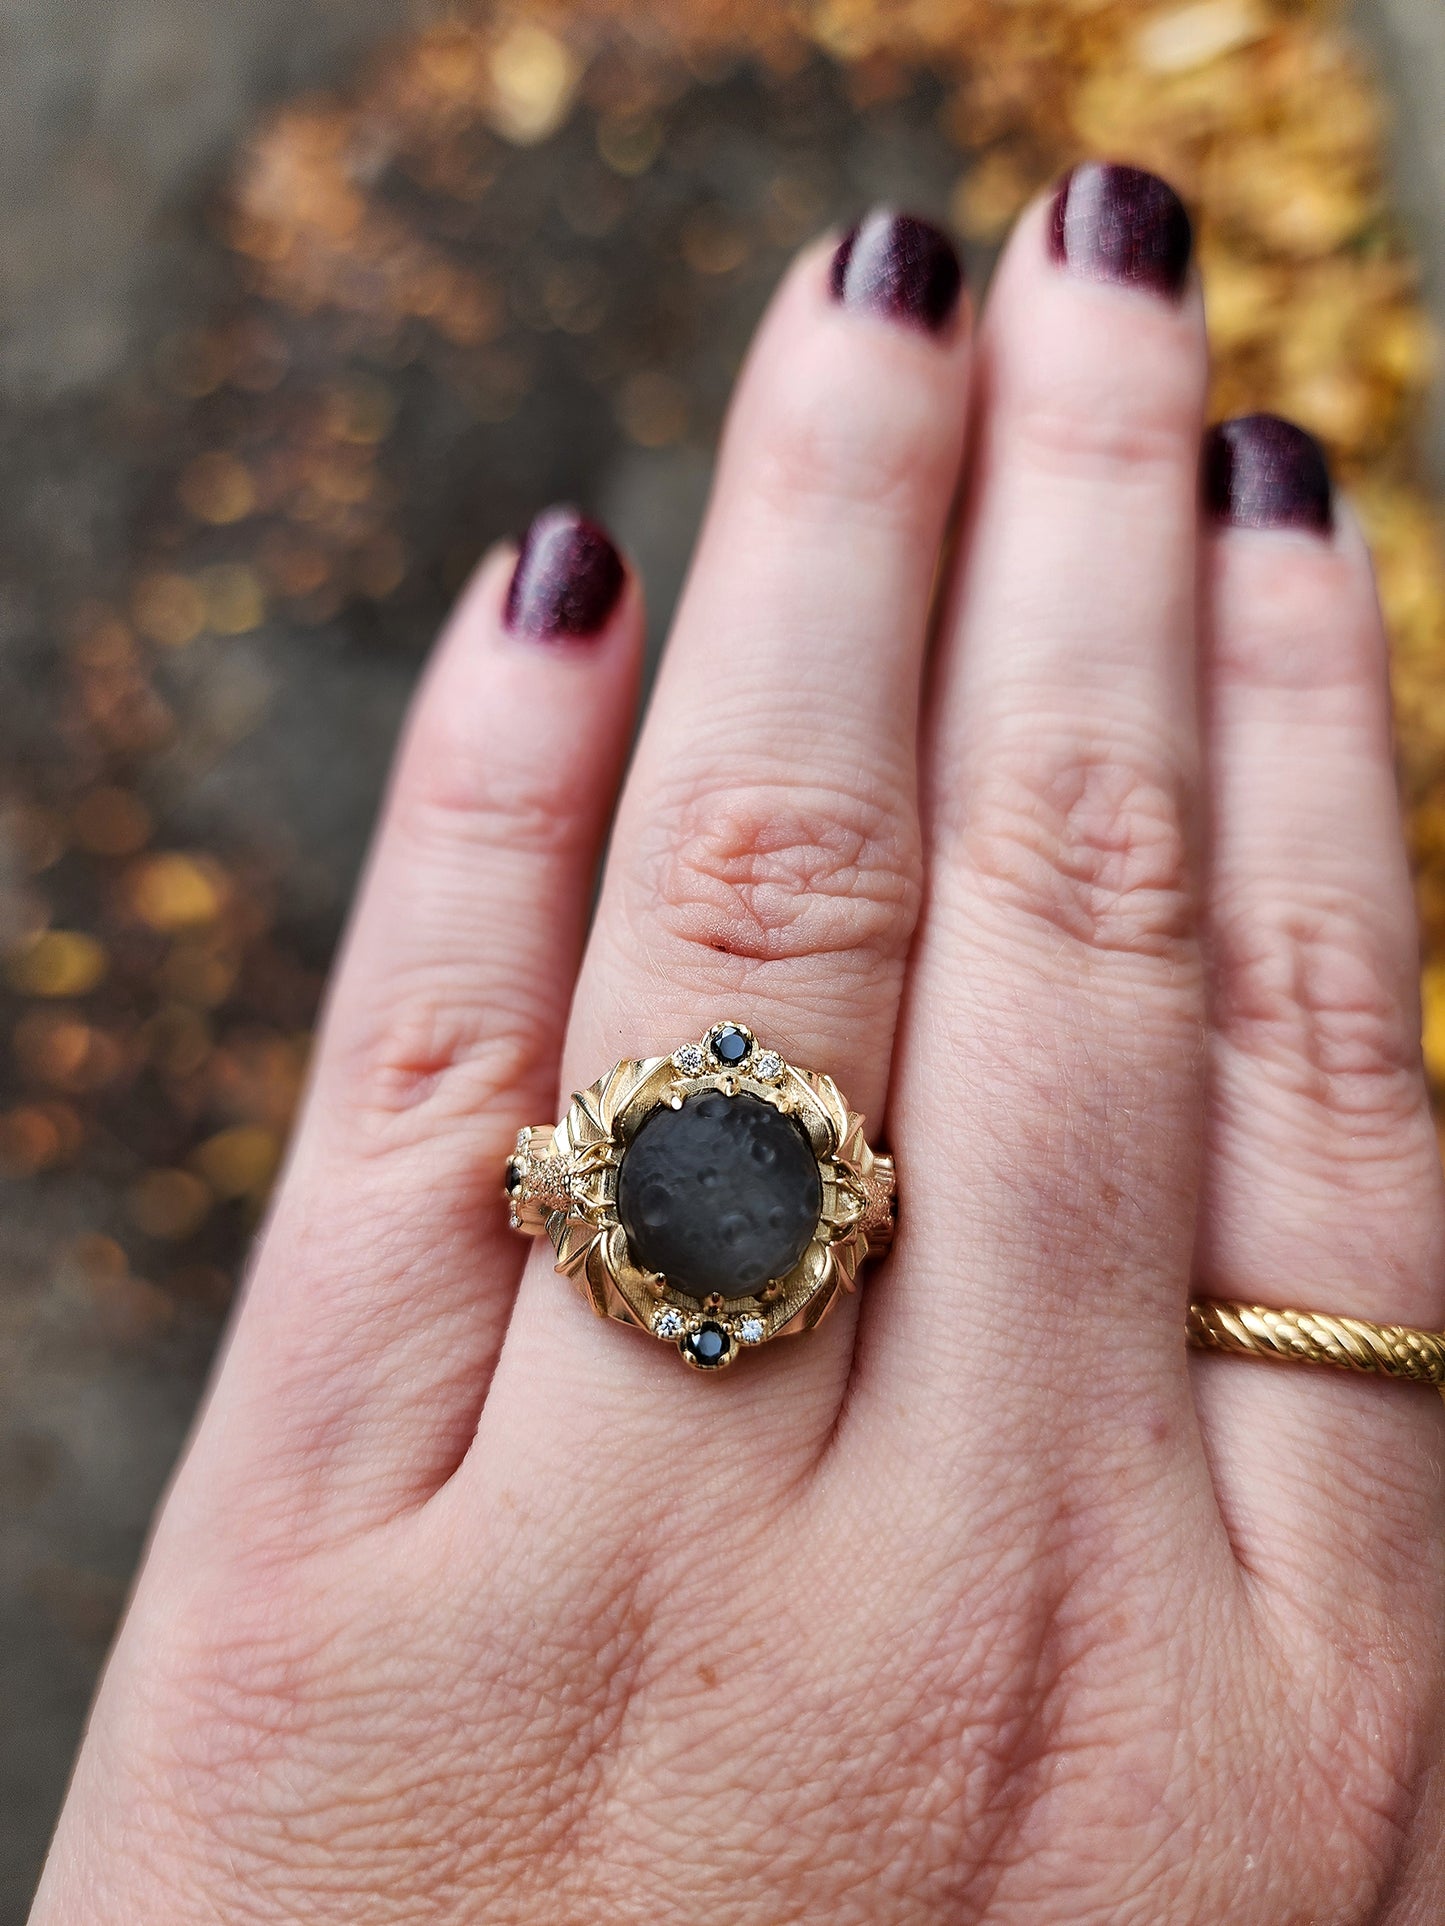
[(722, 1195)]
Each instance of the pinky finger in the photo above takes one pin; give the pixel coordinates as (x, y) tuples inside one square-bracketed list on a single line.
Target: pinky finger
[(386, 1277)]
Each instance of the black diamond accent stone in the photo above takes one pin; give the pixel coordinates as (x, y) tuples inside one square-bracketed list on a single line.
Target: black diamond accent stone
[(730, 1044), (708, 1346), (514, 1173), (720, 1195)]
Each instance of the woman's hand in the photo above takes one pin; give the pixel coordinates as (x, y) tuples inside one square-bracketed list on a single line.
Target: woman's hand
[(979, 1603)]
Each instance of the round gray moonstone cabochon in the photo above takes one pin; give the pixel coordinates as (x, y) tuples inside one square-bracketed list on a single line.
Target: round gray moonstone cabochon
[(722, 1195)]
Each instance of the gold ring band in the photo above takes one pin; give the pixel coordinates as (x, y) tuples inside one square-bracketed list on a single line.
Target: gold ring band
[(1315, 1337)]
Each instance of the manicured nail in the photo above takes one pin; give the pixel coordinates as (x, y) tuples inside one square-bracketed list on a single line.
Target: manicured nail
[(567, 579), (1120, 224), (1261, 472), (895, 265)]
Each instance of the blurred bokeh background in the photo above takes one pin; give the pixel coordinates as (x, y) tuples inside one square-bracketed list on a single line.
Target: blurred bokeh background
[(302, 303)]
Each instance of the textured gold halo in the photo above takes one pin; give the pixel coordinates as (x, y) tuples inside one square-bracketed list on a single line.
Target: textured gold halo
[(561, 1182)]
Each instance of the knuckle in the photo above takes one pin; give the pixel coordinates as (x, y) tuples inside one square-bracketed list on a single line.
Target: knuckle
[(453, 799), (427, 1047), (1089, 845), (1089, 434), (782, 872), (430, 1057), (806, 448), (1310, 625), (1306, 989)]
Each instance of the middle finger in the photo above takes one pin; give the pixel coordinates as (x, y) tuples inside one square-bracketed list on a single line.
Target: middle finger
[(765, 864)]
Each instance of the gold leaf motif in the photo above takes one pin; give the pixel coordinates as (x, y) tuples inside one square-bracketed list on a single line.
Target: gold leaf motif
[(574, 1245), (585, 1120), (853, 1145), (598, 1277), (626, 1086), (618, 1256), (847, 1255)]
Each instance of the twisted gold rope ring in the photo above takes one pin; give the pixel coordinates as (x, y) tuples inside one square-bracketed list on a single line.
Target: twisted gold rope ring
[(1314, 1337)]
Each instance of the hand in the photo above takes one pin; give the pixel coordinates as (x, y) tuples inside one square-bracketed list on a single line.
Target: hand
[(980, 1603)]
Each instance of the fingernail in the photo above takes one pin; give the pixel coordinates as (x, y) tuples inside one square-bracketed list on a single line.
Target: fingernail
[(1120, 224), (567, 579), (1262, 472), (896, 265)]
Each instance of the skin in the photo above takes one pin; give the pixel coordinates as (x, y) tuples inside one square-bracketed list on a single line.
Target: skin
[(985, 1602)]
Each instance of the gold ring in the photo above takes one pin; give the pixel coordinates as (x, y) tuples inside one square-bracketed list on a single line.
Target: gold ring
[(1315, 1337), (717, 1198)]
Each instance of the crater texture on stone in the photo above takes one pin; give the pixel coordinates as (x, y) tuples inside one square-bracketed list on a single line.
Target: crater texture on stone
[(722, 1195)]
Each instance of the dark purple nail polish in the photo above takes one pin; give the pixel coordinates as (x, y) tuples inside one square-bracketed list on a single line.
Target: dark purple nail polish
[(895, 265), (567, 579), (1120, 224), (1261, 472)]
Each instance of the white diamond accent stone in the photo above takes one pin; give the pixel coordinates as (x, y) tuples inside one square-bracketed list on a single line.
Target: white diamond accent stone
[(669, 1322), (689, 1059), (768, 1064), (751, 1330)]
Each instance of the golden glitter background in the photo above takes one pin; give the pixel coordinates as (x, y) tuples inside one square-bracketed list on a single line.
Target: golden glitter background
[(515, 258)]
